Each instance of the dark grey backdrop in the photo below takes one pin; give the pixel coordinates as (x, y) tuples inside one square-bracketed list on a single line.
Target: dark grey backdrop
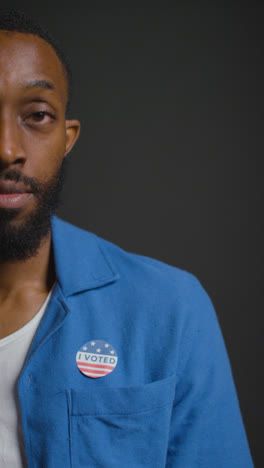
[(169, 159)]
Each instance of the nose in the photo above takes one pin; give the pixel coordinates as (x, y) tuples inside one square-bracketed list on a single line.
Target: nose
[(11, 151)]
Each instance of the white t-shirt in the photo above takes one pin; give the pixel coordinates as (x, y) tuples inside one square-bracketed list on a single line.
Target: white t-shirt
[(13, 352)]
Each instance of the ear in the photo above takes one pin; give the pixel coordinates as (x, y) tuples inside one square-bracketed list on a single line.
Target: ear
[(72, 134)]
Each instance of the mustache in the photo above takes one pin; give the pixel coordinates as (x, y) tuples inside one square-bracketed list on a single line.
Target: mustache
[(30, 182)]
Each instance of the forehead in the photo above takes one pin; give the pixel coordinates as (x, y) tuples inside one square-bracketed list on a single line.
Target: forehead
[(26, 57)]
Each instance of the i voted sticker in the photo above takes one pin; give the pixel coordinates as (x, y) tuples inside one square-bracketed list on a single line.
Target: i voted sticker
[(96, 358)]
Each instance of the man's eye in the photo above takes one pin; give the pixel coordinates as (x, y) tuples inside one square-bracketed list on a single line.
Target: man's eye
[(41, 117)]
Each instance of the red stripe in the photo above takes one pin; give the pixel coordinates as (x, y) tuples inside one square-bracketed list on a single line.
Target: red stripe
[(94, 371), (79, 363)]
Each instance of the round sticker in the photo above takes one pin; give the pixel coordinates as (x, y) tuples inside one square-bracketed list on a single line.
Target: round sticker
[(96, 358)]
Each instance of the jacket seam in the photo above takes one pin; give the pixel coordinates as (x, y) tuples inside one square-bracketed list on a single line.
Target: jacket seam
[(26, 433), (114, 273), (68, 397)]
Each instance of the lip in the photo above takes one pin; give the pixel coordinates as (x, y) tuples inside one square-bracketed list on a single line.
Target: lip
[(10, 187), (14, 200)]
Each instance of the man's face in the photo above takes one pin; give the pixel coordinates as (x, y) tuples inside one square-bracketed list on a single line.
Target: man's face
[(34, 139)]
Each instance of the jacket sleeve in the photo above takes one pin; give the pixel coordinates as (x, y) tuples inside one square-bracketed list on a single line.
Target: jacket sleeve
[(207, 429)]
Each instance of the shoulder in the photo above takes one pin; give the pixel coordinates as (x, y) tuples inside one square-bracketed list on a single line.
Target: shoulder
[(142, 275)]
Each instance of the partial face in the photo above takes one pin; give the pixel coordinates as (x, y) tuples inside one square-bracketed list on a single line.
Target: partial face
[(34, 135)]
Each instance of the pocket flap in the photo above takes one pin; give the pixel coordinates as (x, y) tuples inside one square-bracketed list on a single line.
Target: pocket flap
[(122, 400)]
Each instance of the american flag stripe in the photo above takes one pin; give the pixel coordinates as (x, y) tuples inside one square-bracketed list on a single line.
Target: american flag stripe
[(86, 371), (95, 372), (101, 366)]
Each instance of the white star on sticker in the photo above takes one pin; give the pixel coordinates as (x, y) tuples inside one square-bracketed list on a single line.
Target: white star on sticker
[(92, 343), (112, 352), (98, 350), (84, 348), (107, 345)]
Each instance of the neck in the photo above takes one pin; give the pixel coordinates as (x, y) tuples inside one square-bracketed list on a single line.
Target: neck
[(36, 273)]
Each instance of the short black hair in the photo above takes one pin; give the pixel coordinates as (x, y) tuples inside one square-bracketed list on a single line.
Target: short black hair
[(18, 21)]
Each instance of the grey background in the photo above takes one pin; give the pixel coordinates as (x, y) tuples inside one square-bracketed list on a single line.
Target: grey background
[(169, 159)]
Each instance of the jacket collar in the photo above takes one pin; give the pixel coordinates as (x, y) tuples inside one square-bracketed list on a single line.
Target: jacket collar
[(80, 260)]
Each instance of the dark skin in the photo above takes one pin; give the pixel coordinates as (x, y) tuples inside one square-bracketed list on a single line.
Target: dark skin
[(34, 138)]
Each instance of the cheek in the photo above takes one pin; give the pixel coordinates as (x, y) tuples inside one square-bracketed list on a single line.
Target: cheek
[(44, 154)]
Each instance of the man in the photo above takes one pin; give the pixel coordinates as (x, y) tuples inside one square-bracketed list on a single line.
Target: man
[(107, 359)]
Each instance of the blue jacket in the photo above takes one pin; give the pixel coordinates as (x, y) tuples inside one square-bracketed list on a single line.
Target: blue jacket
[(170, 400)]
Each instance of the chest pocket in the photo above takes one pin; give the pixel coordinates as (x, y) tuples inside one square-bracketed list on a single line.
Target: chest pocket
[(120, 427)]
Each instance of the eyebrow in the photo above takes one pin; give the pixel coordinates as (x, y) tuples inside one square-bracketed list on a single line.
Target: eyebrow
[(40, 84)]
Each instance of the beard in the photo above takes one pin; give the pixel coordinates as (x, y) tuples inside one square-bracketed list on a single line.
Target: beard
[(18, 243)]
